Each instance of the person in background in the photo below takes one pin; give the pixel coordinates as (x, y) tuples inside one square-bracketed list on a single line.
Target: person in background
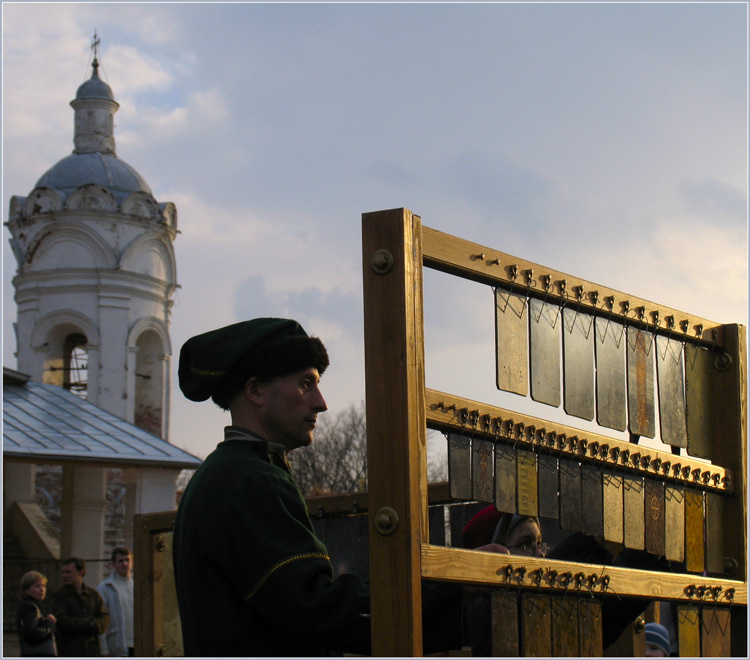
[(657, 641), (506, 533), (80, 612), (36, 632), (117, 593)]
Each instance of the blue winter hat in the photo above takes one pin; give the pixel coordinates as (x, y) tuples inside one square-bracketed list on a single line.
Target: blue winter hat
[(658, 635)]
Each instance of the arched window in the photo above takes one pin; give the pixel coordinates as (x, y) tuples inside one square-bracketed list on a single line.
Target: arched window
[(149, 383), (75, 365)]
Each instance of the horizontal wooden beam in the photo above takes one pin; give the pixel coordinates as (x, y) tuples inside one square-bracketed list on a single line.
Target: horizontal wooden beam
[(449, 412), (463, 258), (520, 572)]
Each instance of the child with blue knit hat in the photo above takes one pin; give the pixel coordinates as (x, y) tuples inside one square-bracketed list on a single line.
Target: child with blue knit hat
[(657, 641)]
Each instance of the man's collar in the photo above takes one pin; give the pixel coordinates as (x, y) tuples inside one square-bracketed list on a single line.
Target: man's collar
[(241, 433)]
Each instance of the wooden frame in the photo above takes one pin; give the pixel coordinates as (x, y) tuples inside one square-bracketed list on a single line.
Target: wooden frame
[(399, 409), (154, 586)]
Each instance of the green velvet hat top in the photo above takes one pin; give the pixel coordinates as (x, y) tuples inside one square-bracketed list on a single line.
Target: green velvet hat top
[(207, 359)]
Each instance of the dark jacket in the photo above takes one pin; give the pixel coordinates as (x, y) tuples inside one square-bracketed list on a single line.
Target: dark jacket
[(81, 618), (252, 578), (34, 631)]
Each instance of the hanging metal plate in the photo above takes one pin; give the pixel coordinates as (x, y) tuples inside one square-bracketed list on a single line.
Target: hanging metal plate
[(674, 518), (688, 631), (695, 558), (655, 528), (698, 398), (505, 637), (641, 415), (459, 466), (536, 625), (564, 627), (716, 639), (671, 380), (544, 338), (590, 629), (526, 481), (611, 392), (505, 478), (482, 469), (578, 363), (511, 342), (592, 497), (570, 494), (613, 506), (714, 533), (633, 512), (548, 483)]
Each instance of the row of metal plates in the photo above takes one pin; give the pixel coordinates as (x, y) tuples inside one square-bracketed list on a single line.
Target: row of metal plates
[(539, 625), (607, 370), (680, 523)]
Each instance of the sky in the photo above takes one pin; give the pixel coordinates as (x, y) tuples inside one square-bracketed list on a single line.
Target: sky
[(604, 140)]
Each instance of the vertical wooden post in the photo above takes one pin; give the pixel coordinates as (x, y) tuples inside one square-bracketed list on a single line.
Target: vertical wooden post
[(396, 430), (729, 423)]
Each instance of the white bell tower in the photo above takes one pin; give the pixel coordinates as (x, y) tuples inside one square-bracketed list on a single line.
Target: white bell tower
[(96, 273), (94, 285)]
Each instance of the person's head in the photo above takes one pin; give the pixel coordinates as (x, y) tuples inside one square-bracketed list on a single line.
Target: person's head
[(122, 561), (522, 535), (265, 372), (657, 641), (72, 571), (34, 584)]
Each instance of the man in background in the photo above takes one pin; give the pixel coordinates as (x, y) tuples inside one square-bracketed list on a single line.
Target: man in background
[(117, 593), (80, 612)]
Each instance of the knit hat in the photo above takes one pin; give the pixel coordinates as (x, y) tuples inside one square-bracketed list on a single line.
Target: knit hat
[(479, 530), (264, 347), (658, 635)]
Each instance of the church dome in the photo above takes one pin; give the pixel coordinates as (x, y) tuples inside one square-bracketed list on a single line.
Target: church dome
[(107, 170), (95, 87)]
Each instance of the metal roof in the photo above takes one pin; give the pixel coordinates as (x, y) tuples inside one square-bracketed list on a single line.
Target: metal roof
[(49, 423)]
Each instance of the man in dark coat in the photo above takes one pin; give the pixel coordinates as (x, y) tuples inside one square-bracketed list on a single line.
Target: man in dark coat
[(80, 612), (252, 578)]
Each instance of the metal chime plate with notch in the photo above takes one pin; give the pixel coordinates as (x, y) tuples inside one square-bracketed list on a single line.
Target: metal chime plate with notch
[(655, 527), (695, 558), (715, 533), (459, 466), (564, 627), (505, 637), (548, 483), (688, 631), (611, 392), (613, 506), (674, 518), (698, 399), (505, 478), (511, 342), (592, 497), (536, 625), (482, 469), (570, 494), (526, 481), (641, 414), (590, 628), (633, 512), (578, 363), (716, 639), (544, 337), (671, 380)]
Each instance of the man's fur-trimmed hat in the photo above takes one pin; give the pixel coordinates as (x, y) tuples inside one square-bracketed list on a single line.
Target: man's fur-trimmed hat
[(216, 364)]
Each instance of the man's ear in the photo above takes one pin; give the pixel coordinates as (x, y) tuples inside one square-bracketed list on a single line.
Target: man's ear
[(254, 390)]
